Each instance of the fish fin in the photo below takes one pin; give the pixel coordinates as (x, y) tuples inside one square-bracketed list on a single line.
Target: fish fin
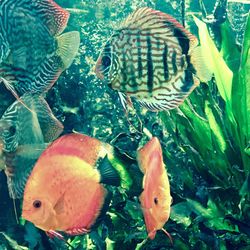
[(59, 206), (56, 17), (174, 95), (147, 18), (203, 72), (77, 231), (19, 165), (54, 234), (169, 236), (37, 124), (68, 45), (152, 149), (123, 99), (9, 86), (51, 127), (108, 173)]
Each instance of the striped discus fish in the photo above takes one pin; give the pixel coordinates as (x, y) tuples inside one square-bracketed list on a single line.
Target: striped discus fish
[(24, 133), (32, 51), (153, 58)]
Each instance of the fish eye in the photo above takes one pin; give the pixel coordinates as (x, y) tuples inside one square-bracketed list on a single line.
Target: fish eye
[(12, 130), (155, 200), (106, 61), (37, 204)]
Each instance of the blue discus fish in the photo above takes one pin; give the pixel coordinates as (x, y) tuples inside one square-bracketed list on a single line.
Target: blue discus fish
[(33, 52)]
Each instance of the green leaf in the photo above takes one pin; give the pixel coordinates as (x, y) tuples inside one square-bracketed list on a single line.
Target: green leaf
[(200, 130), (223, 75), (215, 128), (9, 243), (212, 215), (32, 235), (180, 213), (229, 49), (241, 100)]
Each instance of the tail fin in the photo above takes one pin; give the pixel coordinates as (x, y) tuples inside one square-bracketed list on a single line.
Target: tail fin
[(68, 45), (109, 174), (203, 71)]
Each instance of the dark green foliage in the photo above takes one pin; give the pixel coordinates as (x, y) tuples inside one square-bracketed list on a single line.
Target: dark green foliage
[(205, 142)]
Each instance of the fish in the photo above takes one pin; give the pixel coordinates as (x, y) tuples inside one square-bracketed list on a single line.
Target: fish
[(34, 52), (64, 192), (26, 128), (154, 59), (156, 198)]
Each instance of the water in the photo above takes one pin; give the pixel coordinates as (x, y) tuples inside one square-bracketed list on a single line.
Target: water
[(205, 152)]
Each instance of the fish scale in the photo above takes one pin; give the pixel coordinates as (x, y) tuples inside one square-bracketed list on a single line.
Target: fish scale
[(142, 75)]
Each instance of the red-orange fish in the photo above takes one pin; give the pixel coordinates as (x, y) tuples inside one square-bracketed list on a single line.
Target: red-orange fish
[(155, 198), (65, 190)]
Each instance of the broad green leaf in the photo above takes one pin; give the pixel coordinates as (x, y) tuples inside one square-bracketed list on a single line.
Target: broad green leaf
[(180, 213), (223, 75), (213, 217), (215, 128), (110, 244), (201, 130), (229, 49), (241, 99)]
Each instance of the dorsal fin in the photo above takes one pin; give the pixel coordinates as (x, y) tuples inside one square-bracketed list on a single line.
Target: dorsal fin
[(56, 17), (156, 21), (145, 154)]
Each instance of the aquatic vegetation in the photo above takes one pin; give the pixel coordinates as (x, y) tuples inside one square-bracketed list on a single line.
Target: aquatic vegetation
[(205, 142)]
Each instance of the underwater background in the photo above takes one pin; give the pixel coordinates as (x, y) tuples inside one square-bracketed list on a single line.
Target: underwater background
[(205, 141)]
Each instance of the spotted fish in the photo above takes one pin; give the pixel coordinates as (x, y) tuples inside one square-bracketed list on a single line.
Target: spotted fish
[(33, 51), (153, 58), (74, 197), (25, 128)]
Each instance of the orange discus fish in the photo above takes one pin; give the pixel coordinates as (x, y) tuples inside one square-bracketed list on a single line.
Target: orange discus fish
[(65, 190), (154, 59), (155, 198)]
